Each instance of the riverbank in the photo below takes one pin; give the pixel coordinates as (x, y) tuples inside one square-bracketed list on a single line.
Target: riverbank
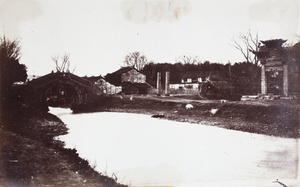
[(270, 117), (31, 157)]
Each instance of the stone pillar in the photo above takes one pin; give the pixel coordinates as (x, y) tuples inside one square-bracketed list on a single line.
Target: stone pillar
[(167, 84), (263, 80), (285, 80), (158, 86)]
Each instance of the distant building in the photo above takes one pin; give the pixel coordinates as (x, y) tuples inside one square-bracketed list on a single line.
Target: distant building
[(130, 79), (189, 84), (192, 81), (102, 87)]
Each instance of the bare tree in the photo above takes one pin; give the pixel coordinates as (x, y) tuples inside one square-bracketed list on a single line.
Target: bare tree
[(188, 59), (136, 60), (64, 65), (245, 44)]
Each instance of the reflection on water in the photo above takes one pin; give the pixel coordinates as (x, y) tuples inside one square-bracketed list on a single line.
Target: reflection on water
[(143, 151)]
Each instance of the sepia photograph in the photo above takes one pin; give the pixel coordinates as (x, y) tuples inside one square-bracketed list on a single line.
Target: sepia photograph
[(150, 93)]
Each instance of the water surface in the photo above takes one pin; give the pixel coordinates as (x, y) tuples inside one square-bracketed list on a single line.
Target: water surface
[(144, 151)]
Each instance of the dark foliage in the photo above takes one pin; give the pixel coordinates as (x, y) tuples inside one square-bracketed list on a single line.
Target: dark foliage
[(294, 67), (244, 77), (296, 53), (10, 71)]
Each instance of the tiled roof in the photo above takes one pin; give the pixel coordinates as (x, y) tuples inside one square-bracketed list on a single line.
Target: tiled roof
[(122, 70)]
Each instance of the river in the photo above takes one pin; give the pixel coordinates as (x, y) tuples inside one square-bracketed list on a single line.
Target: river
[(145, 151)]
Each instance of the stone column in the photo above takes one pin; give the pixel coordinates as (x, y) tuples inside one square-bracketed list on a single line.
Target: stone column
[(167, 84), (285, 80), (158, 86), (263, 80)]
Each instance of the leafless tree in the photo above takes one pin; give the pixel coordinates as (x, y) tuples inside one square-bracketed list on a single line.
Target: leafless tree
[(245, 44), (136, 60), (64, 65), (188, 59)]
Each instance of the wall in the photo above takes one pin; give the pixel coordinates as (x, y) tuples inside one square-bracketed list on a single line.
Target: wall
[(133, 76), (103, 87), (187, 88)]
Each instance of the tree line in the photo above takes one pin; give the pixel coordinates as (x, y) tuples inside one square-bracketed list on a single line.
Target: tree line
[(243, 76)]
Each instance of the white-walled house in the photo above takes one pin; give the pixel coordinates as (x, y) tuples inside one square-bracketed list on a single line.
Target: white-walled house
[(192, 81), (189, 84)]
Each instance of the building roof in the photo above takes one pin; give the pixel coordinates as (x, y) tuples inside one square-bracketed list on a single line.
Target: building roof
[(115, 77), (273, 43), (123, 70), (214, 75), (271, 50), (93, 78)]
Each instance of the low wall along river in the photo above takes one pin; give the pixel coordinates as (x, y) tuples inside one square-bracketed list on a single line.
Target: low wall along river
[(144, 151)]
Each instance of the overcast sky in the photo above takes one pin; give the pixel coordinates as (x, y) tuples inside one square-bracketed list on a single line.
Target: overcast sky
[(98, 34)]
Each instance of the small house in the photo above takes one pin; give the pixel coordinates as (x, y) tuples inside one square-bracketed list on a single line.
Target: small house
[(191, 81), (130, 79)]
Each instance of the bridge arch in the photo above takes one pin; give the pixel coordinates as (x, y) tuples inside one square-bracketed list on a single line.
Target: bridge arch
[(61, 89)]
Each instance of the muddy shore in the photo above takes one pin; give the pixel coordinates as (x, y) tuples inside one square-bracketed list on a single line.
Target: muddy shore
[(31, 157), (270, 117)]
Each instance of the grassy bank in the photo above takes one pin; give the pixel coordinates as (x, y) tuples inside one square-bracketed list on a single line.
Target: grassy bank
[(30, 156), (271, 117)]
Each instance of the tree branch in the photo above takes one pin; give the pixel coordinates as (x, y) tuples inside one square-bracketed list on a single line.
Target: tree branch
[(249, 43)]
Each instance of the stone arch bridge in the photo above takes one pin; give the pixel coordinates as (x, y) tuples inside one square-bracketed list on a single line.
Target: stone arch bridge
[(61, 89)]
